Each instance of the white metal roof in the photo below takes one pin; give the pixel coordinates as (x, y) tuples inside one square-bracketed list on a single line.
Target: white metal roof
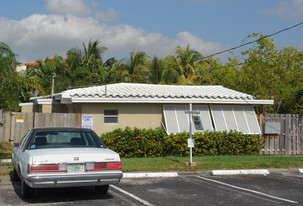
[(151, 93)]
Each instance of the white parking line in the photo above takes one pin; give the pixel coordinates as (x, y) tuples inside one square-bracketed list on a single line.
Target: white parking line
[(129, 201), (132, 196), (247, 190)]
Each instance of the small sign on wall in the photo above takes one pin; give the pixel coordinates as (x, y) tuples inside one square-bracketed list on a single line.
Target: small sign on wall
[(20, 119), (87, 121), (272, 128)]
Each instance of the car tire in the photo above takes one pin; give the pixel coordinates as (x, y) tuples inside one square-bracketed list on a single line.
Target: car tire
[(26, 191), (15, 176), (102, 189)]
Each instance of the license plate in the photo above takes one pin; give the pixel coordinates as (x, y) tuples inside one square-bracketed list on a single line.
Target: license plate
[(75, 168)]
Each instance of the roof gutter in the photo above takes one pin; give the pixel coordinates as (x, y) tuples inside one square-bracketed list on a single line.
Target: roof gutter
[(177, 101)]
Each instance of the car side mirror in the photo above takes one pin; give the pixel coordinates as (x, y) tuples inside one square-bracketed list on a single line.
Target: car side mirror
[(16, 144)]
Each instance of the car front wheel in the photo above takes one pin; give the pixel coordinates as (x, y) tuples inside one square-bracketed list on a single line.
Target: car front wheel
[(26, 191), (102, 189)]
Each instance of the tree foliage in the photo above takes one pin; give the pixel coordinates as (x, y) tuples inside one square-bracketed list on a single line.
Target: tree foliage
[(263, 71), (14, 87)]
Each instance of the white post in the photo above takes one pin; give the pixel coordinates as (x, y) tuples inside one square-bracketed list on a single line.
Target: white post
[(190, 135)]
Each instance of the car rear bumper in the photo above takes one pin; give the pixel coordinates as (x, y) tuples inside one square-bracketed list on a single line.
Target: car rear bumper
[(75, 180)]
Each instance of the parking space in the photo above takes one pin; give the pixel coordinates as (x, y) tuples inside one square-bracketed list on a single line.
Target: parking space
[(280, 187)]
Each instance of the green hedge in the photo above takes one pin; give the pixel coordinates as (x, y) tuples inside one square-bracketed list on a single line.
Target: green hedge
[(154, 143)]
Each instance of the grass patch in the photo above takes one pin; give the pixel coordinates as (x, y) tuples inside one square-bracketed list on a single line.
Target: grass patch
[(5, 150), (5, 171), (6, 168), (211, 163), (5, 153)]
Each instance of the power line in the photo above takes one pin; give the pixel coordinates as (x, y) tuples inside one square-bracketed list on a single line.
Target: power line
[(242, 45), (249, 62)]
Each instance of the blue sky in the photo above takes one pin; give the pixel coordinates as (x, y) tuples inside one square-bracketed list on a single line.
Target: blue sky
[(36, 29)]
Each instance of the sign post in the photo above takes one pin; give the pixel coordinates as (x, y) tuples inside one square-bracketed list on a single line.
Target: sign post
[(190, 140)]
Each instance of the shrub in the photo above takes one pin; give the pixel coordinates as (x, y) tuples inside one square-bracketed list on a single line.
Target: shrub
[(154, 143), (136, 142)]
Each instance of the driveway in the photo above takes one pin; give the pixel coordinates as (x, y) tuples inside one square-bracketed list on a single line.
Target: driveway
[(282, 187)]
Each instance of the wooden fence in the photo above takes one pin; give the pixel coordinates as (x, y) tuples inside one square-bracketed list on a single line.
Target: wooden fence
[(283, 133), (16, 124)]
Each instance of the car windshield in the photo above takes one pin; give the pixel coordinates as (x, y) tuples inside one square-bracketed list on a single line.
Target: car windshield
[(64, 139)]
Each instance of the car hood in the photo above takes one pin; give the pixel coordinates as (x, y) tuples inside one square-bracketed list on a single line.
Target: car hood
[(72, 155)]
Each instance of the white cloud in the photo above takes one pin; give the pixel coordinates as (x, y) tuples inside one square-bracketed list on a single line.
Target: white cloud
[(40, 36), (289, 9), (75, 7), (110, 15)]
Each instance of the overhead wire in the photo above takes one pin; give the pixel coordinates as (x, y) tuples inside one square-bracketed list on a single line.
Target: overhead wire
[(251, 42), (236, 47), (249, 62)]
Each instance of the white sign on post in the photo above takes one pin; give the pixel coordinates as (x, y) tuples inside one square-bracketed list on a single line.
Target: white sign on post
[(87, 121), (191, 142)]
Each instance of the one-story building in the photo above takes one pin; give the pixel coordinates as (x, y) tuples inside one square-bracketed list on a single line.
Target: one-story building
[(105, 108)]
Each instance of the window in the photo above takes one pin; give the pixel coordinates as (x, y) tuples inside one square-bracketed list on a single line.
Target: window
[(211, 118), (65, 139), (176, 120), (239, 118), (111, 116), (24, 140)]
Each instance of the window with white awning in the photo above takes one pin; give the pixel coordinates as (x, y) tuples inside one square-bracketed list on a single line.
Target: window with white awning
[(241, 118), (177, 121)]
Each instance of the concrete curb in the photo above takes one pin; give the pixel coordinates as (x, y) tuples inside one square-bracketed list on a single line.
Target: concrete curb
[(240, 172), (300, 171), (149, 174), (6, 161)]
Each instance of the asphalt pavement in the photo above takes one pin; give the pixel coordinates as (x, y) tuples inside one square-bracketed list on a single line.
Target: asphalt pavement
[(280, 187)]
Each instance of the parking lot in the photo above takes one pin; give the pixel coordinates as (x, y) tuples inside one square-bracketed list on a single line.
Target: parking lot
[(282, 187)]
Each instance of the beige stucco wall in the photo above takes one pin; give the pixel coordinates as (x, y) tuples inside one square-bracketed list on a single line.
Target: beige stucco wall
[(131, 115), (31, 108), (27, 109), (46, 108)]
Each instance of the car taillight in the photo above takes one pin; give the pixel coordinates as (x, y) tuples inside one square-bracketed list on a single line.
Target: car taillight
[(99, 166), (42, 168)]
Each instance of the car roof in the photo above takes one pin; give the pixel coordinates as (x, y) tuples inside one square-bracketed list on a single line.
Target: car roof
[(60, 129)]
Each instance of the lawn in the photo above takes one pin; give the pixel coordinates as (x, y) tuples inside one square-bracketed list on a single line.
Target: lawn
[(211, 163), (177, 163)]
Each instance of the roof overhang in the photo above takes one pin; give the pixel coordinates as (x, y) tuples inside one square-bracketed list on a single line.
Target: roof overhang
[(150, 95), (164, 101), (26, 104)]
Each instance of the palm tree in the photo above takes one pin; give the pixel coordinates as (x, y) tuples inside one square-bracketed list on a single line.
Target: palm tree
[(135, 69), (43, 73), (92, 55), (156, 67), (184, 62)]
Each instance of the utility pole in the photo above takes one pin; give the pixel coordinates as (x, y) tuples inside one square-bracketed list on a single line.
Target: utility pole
[(53, 84)]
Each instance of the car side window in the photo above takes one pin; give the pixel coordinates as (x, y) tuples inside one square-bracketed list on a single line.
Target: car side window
[(24, 140)]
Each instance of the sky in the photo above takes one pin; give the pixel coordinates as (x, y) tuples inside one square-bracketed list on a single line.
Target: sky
[(36, 29)]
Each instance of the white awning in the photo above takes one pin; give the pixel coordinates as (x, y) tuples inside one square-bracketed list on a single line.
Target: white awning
[(176, 120), (211, 118), (240, 118)]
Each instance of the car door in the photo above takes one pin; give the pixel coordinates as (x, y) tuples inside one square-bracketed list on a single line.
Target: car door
[(17, 152)]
